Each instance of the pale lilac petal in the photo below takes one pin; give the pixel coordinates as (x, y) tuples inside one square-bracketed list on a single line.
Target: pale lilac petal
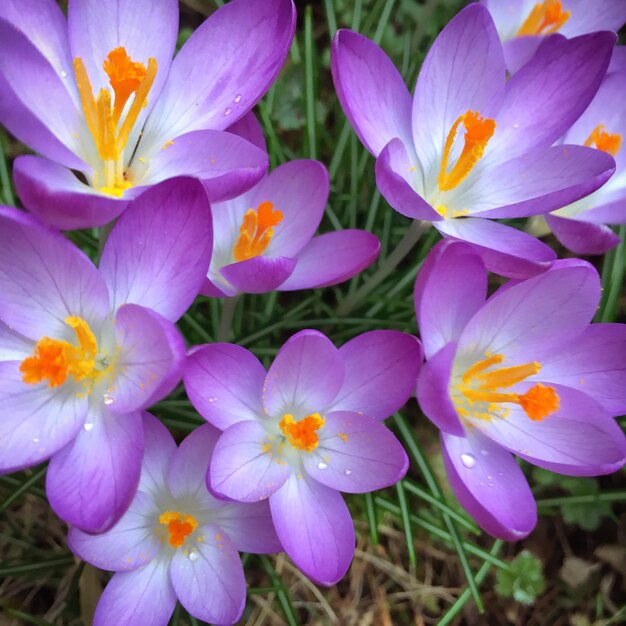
[(320, 537), (249, 128), (356, 454), (159, 450), (44, 279), (381, 369), (13, 346), (259, 274), (332, 258), (144, 596), (105, 459), (582, 237), (614, 212), (211, 587), (36, 421), (224, 383), (599, 15), (159, 251), (490, 485), (519, 50), (244, 466), (371, 91), (305, 377), (150, 360)]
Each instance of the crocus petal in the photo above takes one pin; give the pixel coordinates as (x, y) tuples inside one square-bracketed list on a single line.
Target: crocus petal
[(433, 392), (381, 369), (13, 346), (150, 359), (535, 316), (332, 258), (371, 91), (159, 251), (128, 545), (144, 596), (613, 212), (305, 377), (519, 50), (582, 237), (320, 538), (224, 383), (595, 363), (244, 466), (226, 164), (104, 459), (159, 449), (503, 249), (249, 128), (223, 69), (601, 15), (211, 586), (451, 286), (58, 198), (356, 454), (580, 438), (490, 485), (36, 420), (259, 274), (44, 279)]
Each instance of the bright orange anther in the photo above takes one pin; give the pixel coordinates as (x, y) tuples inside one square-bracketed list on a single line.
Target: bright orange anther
[(256, 231), (125, 76), (303, 433), (544, 19), (179, 526), (539, 402), (602, 140)]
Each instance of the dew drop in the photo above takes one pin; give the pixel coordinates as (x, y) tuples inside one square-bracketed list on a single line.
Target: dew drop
[(193, 556), (63, 74), (88, 426), (321, 465), (469, 460), (348, 472), (35, 439), (238, 98), (108, 398), (214, 399), (228, 111)]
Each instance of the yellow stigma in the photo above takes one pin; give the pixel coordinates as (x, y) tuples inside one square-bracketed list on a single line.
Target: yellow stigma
[(256, 231), (478, 132), (544, 19), (104, 116), (55, 360), (479, 392), (302, 434), (179, 526), (603, 140)]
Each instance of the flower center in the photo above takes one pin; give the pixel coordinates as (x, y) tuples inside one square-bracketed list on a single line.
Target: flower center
[(302, 434), (54, 360), (478, 132), (256, 231), (544, 19), (179, 527), (602, 140), (479, 392), (104, 118)]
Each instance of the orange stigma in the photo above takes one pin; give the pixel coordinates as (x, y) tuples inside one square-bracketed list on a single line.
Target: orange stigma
[(256, 231), (478, 131), (544, 19), (179, 526), (303, 433), (602, 140), (480, 391)]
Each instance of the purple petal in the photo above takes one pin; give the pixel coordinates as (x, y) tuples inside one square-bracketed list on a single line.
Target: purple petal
[(613, 212), (320, 538), (105, 459), (305, 377), (259, 274), (433, 392), (520, 50), (150, 359), (223, 69), (332, 258), (144, 596), (244, 466), (503, 249), (159, 450), (159, 251), (582, 237), (371, 91), (224, 383), (490, 485), (13, 346), (356, 454), (36, 421), (211, 587), (600, 15), (249, 128), (44, 279), (381, 369)]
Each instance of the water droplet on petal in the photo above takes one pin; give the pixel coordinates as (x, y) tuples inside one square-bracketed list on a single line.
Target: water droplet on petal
[(88, 426), (35, 439), (108, 398), (469, 460), (63, 74), (321, 465), (238, 98), (193, 556), (228, 111), (214, 399), (348, 472)]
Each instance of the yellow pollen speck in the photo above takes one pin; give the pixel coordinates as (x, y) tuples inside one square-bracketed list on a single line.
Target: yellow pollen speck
[(266, 447), (167, 144), (342, 436), (218, 537)]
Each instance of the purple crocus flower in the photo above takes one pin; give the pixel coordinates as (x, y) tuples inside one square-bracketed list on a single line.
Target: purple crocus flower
[(503, 165), (305, 430), (523, 24), (176, 541), (99, 94), (522, 373), (263, 239), (84, 350)]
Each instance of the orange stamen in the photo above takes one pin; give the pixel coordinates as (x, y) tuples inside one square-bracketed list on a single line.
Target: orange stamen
[(125, 76), (478, 132), (179, 526), (544, 19), (602, 140), (256, 231), (303, 433)]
